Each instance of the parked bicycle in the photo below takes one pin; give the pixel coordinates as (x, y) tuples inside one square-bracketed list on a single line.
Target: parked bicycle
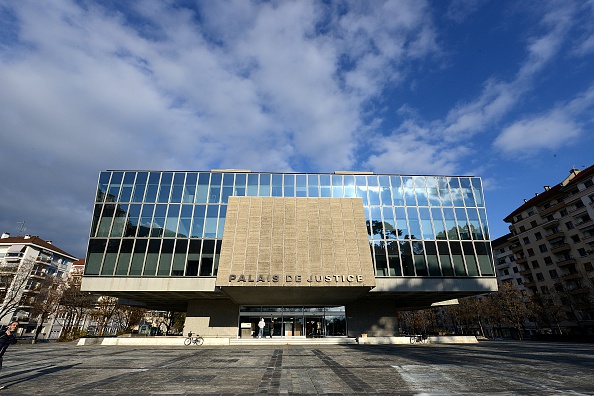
[(419, 339), (193, 339)]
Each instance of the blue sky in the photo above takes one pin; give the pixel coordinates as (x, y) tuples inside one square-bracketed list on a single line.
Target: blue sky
[(503, 90)]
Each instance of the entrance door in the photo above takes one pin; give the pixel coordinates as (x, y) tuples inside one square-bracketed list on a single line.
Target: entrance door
[(314, 326)]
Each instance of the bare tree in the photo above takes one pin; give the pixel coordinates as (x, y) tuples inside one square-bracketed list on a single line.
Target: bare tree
[(45, 302), (14, 276), (75, 307)]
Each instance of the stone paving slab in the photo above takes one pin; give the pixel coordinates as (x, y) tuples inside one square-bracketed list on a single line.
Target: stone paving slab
[(487, 368)]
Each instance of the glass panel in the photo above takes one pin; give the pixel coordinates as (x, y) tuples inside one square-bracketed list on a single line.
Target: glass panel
[(373, 190), (221, 225), (210, 227), (325, 186), (313, 186), (422, 199), (114, 187), (190, 188), (451, 225), (158, 221), (202, 189), (125, 256), (177, 189), (397, 192), (95, 256), (377, 229), (475, 225), (140, 186), (193, 257), (456, 192), (456, 250), (127, 186), (426, 223), (362, 189), (152, 257), (394, 258), (408, 268), (444, 192), (138, 257), (264, 185), (471, 264), (277, 185), (119, 221), (419, 257), (478, 191), (198, 223), (214, 195), (485, 228), (96, 218), (207, 258), (467, 191), (413, 223), (337, 186), (102, 186), (385, 190), (132, 222), (438, 223), (106, 219), (240, 182), (390, 227), (165, 187), (432, 194), (289, 185), (301, 182), (483, 251), (463, 224), (381, 261), (432, 260), (111, 255), (444, 258), (172, 220), (152, 187), (401, 222), (252, 190), (185, 221), (179, 258), (166, 257), (409, 194)]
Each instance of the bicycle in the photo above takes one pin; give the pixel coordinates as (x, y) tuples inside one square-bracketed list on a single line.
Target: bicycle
[(193, 339), (419, 339)]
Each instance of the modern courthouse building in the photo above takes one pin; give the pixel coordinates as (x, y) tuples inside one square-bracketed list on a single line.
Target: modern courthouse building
[(314, 254)]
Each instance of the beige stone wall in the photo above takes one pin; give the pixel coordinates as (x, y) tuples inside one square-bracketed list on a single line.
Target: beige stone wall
[(212, 318), (309, 238)]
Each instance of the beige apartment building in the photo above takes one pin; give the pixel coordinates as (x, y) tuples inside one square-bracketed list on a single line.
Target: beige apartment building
[(549, 253)]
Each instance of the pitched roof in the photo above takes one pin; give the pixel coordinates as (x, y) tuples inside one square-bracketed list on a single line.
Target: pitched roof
[(554, 191), (35, 240)]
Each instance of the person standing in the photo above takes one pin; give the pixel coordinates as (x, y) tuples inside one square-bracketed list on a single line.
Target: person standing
[(261, 325), (7, 338)]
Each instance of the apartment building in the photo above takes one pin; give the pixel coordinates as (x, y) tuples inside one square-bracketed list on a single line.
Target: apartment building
[(24, 262), (550, 251)]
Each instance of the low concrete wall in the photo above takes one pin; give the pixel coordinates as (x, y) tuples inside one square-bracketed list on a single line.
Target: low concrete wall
[(147, 341), (406, 340)]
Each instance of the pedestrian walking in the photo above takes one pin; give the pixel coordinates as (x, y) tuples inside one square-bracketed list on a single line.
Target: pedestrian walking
[(261, 325), (7, 338)]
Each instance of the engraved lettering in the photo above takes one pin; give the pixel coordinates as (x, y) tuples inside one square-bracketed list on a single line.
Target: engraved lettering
[(359, 278), (232, 277), (289, 278), (318, 278), (297, 278), (336, 277), (241, 278), (310, 278), (328, 278), (250, 278), (351, 278), (261, 278), (275, 278)]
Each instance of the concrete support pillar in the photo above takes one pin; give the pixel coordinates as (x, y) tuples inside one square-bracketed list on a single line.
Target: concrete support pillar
[(376, 318), (212, 318)]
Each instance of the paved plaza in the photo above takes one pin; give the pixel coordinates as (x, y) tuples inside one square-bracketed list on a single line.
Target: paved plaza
[(487, 368)]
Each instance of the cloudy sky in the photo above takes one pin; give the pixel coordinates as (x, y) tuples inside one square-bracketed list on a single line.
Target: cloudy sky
[(499, 89)]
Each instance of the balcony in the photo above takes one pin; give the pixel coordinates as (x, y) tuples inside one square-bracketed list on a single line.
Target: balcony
[(550, 224), (578, 211), (526, 271), (522, 260), (551, 209), (559, 234), (561, 248), (584, 224), (516, 248), (529, 284), (574, 276), (566, 262)]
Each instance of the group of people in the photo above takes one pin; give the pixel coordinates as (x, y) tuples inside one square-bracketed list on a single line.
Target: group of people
[(7, 338), (262, 325)]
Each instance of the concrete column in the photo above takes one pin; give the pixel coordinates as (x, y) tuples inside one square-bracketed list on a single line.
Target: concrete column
[(376, 318), (212, 318)]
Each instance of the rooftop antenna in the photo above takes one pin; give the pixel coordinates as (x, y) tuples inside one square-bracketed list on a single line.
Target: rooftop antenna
[(22, 227)]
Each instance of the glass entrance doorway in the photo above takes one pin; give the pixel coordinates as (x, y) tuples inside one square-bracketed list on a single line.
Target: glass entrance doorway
[(311, 322)]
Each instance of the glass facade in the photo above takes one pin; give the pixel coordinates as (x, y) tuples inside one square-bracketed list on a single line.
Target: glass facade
[(170, 224)]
